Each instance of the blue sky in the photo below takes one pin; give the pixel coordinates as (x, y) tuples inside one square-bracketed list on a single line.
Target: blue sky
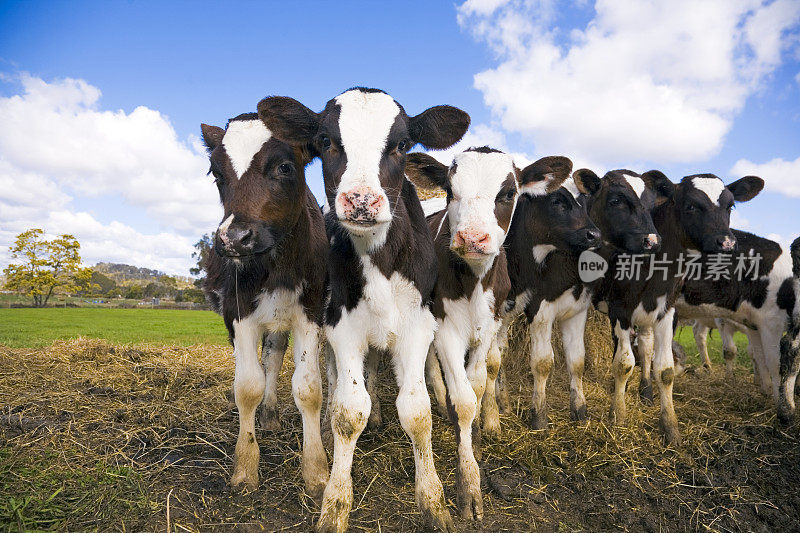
[(102, 101)]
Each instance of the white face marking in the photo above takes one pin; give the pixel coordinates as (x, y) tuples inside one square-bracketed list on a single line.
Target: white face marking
[(713, 187), (537, 188), (223, 228), (636, 183), (570, 186), (365, 120), (541, 251), (243, 139), (475, 185)]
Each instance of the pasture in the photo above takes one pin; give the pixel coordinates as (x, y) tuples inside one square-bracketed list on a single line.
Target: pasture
[(134, 430)]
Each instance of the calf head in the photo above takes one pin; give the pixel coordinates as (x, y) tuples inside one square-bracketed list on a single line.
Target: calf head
[(558, 220), (620, 204), (362, 137), (261, 183), (702, 207), (482, 187)]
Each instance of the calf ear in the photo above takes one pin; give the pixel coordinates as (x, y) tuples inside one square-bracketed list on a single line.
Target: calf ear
[(660, 184), (212, 136), (288, 120), (586, 181), (426, 172), (545, 175), (746, 188), (438, 127)]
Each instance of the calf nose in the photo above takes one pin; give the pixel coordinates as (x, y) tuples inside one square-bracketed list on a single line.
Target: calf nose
[(726, 243), (240, 239), (361, 204), (472, 240), (592, 236), (651, 242)]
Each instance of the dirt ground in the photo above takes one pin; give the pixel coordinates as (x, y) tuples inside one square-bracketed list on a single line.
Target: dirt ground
[(118, 438)]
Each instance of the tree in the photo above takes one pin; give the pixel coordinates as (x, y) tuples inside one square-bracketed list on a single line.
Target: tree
[(46, 266), (202, 249)]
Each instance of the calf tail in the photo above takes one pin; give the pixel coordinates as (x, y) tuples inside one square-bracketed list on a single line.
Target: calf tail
[(795, 251)]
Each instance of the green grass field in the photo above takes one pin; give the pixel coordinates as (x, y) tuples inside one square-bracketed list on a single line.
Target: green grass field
[(35, 328)]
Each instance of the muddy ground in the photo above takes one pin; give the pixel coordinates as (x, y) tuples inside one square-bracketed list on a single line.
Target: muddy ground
[(119, 438)]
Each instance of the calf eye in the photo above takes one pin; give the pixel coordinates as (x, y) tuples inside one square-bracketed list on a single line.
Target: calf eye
[(510, 194), (285, 168), (325, 142), (614, 202), (401, 146)]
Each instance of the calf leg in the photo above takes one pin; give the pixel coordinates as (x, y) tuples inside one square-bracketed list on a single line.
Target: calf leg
[(663, 367), (330, 372), (489, 410), (434, 375), (463, 407), (373, 360), (729, 350), (273, 347), (414, 411), (770, 342), (307, 392), (621, 368), (501, 388), (572, 333), (790, 366), (248, 389), (645, 350), (701, 332), (760, 372), (541, 366), (349, 411)]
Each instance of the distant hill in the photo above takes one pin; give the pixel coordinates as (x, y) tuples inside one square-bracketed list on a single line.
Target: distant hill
[(124, 274)]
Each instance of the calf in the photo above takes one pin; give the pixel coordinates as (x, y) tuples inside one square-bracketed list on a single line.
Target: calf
[(546, 238), (763, 301), (692, 215), (381, 270), (267, 275), (482, 186), (790, 344)]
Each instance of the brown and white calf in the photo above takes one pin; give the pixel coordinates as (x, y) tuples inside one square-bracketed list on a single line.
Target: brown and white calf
[(482, 185), (381, 270), (266, 278), (687, 218)]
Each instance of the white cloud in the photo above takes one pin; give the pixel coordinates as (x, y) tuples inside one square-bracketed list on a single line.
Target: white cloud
[(779, 175), (643, 81), (57, 143)]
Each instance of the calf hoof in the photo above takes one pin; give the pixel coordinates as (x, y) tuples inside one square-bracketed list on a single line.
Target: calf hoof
[(646, 392), (470, 505), (375, 421), (539, 419), (491, 426), (442, 410), (268, 418), (672, 435), (335, 514), (243, 480), (435, 516), (578, 413), (617, 416), (785, 414)]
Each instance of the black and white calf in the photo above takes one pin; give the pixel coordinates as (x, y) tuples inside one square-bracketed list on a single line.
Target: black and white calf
[(482, 185), (548, 233), (691, 215), (381, 270), (267, 279), (764, 302), (790, 344)]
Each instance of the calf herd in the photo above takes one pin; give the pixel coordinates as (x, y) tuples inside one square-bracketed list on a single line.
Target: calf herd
[(370, 276)]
